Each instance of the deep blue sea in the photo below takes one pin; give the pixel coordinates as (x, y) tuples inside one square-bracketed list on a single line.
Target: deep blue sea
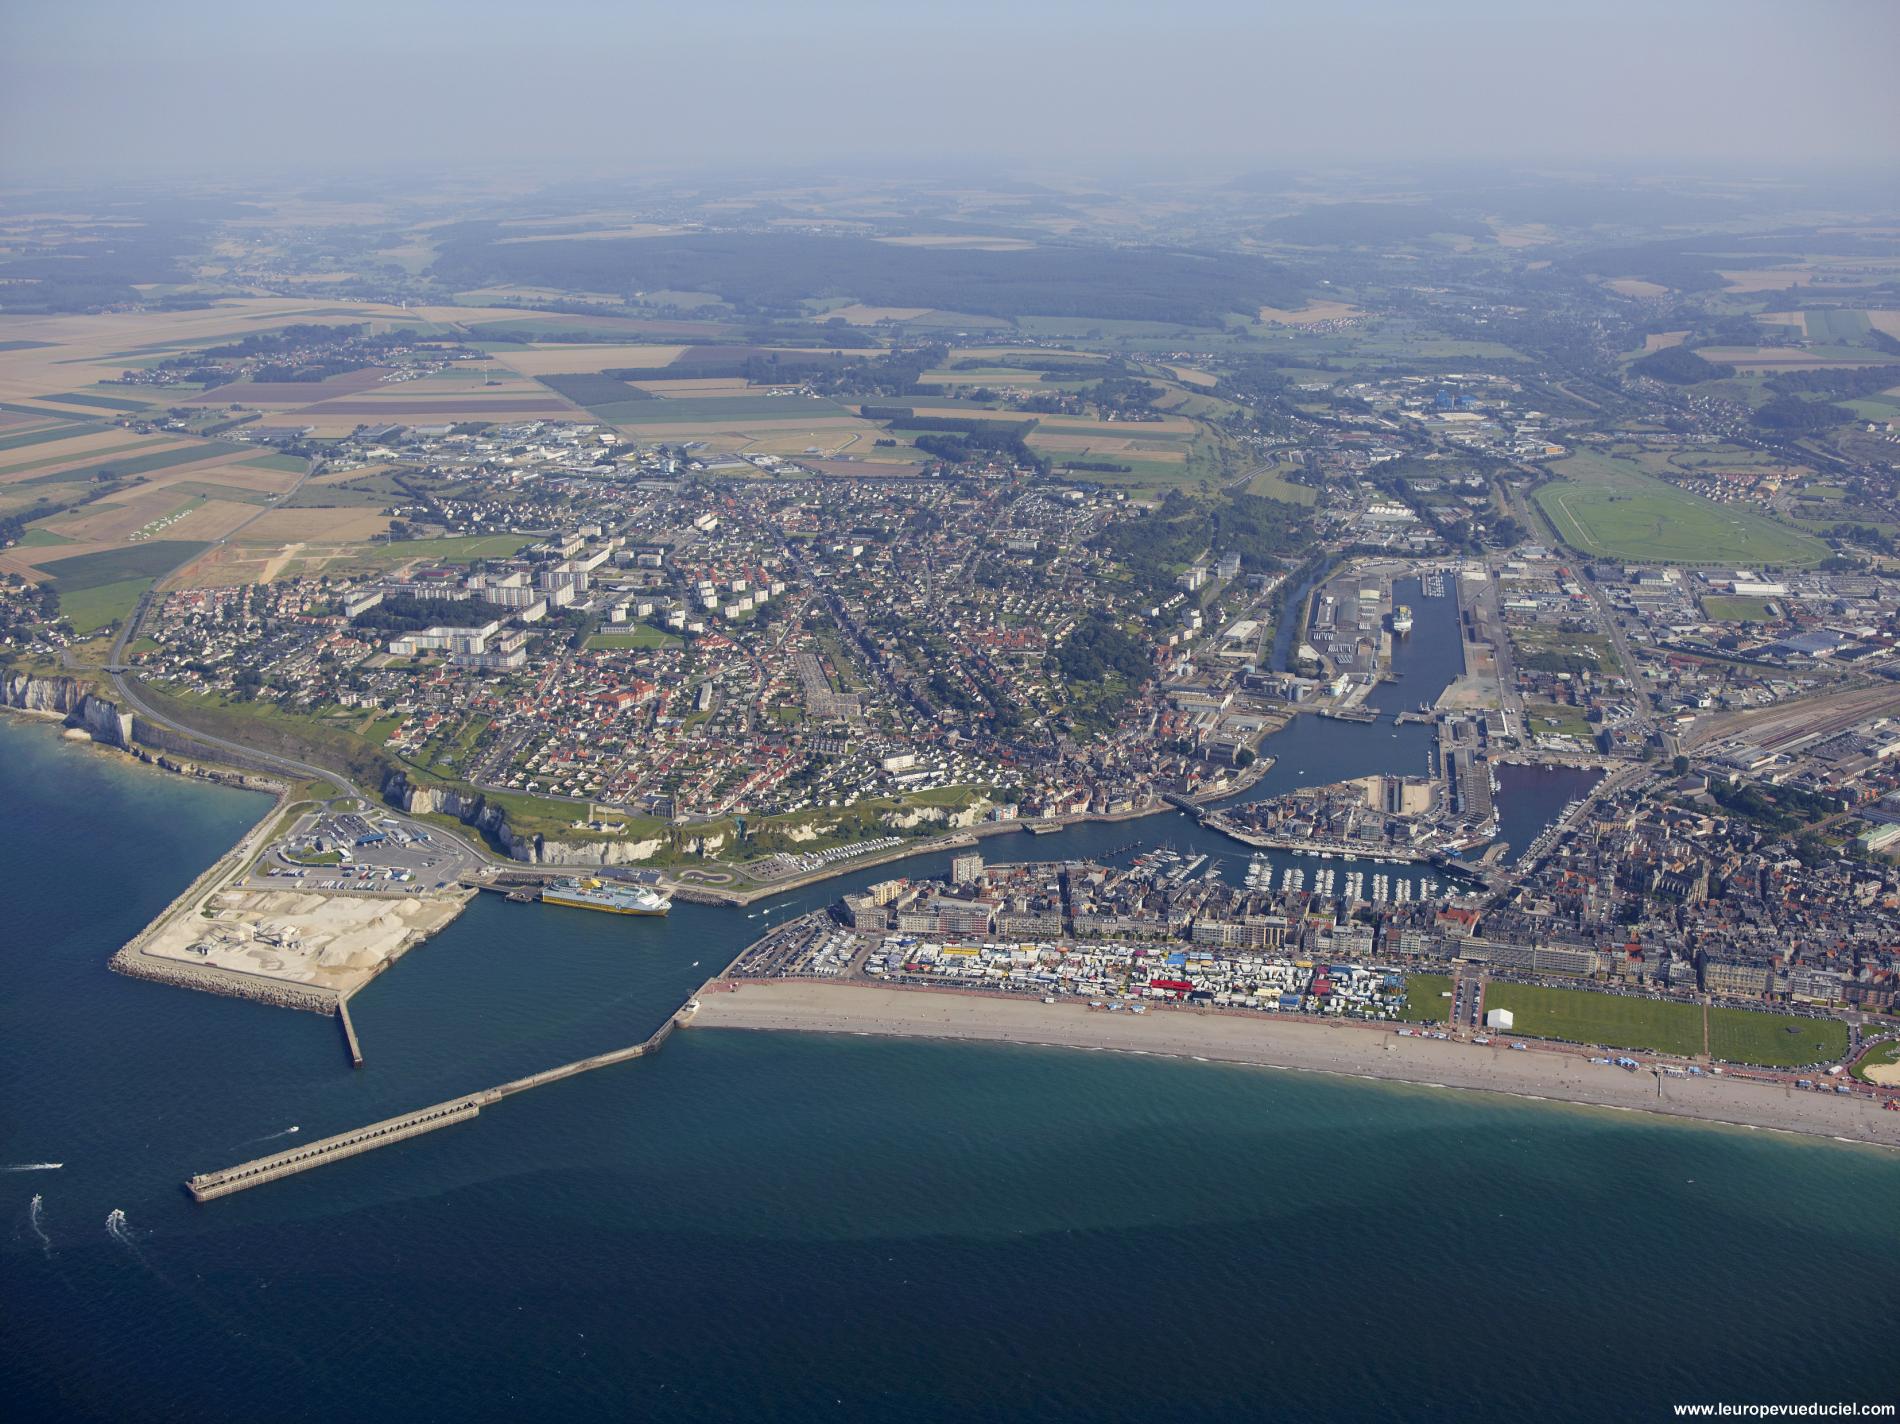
[(810, 1228)]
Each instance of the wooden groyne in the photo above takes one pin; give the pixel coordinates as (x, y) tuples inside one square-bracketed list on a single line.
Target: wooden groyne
[(207, 1186)]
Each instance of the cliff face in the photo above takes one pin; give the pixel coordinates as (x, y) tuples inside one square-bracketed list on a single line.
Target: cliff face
[(478, 812), (67, 697), (102, 720), (469, 810), (620, 852)]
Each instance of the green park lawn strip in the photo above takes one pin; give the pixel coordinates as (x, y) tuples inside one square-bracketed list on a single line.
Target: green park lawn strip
[(1610, 1020), (1774, 1040), (1425, 998)]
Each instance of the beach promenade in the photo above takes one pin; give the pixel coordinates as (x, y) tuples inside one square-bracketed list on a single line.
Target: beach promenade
[(1344, 1049)]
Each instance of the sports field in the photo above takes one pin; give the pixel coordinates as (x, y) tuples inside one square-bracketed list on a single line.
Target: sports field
[(1727, 609), (1609, 507), (641, 637), (1610, 1020)]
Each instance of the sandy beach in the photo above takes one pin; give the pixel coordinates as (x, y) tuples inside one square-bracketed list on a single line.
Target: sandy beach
[(1349, 1050)]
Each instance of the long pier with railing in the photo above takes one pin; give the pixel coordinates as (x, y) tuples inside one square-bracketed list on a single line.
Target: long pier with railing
[(208, 1186)]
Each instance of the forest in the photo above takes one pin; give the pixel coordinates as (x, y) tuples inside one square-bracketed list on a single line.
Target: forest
[(775, 274)]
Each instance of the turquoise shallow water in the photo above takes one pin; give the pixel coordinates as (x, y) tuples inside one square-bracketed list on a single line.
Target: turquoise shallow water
[(792, 1228)]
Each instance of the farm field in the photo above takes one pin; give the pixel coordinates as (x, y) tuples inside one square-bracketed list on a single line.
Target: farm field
[(30, 430), (1837, 327), (1610, 508), (553, 360), (136, 561), (665, 411), (1774, 1040), (333, 524), (1308, 315), (91, 609), (1609, 1020), (1791, 358), (1880, 408), (603, 396)]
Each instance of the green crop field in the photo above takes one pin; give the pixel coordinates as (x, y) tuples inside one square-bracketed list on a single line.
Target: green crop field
[(1844, 327), (1881, 408), (1774, 1040), (42, 538), (641, 637), (604, 396), (1610, 508), (107, 402), (148, 560), (208, 489), (1611, 1020), (711, 410), (137, 464), (1424, 998), (294, 463), (90, 609), (42, 437)]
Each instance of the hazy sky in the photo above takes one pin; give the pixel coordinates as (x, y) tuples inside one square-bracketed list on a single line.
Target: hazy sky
[(102, 85)]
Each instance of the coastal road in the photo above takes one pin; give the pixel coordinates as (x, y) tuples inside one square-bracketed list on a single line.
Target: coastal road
[(126, 691)]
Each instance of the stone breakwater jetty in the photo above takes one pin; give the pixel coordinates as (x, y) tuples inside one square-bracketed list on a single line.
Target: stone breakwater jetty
[(208, 1186)]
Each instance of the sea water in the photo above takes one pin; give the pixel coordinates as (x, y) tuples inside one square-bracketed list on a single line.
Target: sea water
[(841, 1228)]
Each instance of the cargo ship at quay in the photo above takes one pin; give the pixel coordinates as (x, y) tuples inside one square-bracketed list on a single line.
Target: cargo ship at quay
[(593, 894)]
